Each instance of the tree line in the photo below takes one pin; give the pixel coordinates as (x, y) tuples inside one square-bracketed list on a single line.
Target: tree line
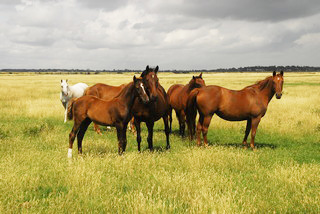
[(291, 68)]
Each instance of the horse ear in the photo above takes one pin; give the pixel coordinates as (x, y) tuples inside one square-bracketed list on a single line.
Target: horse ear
[(193, 77), (134, 78), (281, 73), (147, 68), (274, 73), (200, 75), (157, 68)]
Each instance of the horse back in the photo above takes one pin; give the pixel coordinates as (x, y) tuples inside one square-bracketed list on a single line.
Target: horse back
[(78, 89), (104, 91), (174, 95)]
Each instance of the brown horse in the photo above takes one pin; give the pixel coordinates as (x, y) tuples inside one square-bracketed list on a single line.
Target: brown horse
[(249, 104), (157, 107), (105, 92), (178, 95), (115, 112)]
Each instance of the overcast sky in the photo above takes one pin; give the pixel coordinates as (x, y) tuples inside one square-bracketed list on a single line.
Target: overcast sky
[(174, 34)]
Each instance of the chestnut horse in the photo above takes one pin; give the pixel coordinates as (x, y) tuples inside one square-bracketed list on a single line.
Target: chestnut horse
[(115, 112), (249, 104), (178, 95), (157, 108), (105, 92)]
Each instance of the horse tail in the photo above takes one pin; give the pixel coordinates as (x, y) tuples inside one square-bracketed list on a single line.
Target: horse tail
[(191, 112), (70, 108)]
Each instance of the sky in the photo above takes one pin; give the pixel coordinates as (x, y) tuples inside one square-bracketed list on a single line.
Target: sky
[(174, 34)]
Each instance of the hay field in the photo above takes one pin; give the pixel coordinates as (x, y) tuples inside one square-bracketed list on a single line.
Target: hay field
[(37, 177)]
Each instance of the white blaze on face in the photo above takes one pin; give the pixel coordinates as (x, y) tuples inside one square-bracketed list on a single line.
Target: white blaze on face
[(278, 78), (141, 85), (64, 85)]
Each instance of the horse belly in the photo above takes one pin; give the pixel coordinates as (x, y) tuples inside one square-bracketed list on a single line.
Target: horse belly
[(233, 116), (234, 109), (100, 116)]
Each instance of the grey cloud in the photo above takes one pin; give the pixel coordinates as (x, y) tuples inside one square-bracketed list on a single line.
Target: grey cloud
[(9, 2), (106, 5), (251, 10)]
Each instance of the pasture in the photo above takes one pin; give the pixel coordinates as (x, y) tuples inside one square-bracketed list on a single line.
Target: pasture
[(36, 176)]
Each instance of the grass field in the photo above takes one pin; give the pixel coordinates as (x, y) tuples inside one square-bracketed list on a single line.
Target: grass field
[(37, 177)]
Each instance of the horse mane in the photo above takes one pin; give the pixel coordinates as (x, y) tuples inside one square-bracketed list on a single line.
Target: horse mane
[(261, 84), (144, 73), (124, 90)]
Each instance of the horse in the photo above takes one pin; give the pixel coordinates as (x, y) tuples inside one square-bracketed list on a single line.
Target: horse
[(105, 92), (248, 104), (115, 112), (178, 95), (157, 108), (68, 92)]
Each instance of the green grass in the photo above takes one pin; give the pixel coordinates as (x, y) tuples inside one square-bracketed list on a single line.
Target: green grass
[(37, 177)]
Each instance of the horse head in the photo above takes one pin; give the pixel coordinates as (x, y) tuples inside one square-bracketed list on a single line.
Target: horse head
[(64, 87), (140, 89), (151, 82), (277, 80), (197, 81)]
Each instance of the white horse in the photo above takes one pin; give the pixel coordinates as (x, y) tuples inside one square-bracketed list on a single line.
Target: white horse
[(69, 92)]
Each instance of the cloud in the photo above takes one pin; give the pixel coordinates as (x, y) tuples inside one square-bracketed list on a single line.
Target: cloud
[(250, 10), (181, 34), (103, 4)]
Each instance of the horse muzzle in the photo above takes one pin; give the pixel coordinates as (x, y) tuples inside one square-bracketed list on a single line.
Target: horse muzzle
[(278, 95)]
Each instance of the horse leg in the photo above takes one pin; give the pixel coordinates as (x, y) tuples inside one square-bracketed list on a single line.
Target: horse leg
[(248, 127), (138, 129), (131, 125), (124, 137), (178, 117), (150, 134), (97, 128), (182, 122), (254, 125), (72, 136), (166, 130), (205, 126), (121, 146), (199, 128), (82, 130), (170, 119), (65, 112)]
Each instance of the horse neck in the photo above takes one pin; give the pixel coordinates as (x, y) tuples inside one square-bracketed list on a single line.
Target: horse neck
[(126, 96), (267, 89), (190, 87)]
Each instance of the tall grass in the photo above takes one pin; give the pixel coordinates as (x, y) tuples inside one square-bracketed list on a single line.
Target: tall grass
[(37, 177)]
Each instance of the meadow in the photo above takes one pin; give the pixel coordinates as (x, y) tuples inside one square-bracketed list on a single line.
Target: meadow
[(36, 176)]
